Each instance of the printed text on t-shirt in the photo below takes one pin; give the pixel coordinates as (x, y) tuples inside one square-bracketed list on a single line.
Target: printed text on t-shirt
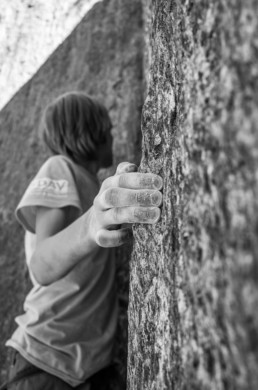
[(58, 187)]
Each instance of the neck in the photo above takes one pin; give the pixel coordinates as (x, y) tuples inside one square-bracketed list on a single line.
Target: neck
[(92, 167)]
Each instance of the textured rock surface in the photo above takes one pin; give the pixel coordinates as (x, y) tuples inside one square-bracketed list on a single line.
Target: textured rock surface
[(193, 321), (102, 56)]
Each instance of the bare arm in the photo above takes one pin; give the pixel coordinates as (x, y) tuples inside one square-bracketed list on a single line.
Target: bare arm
[(123, 198), (58, 244)]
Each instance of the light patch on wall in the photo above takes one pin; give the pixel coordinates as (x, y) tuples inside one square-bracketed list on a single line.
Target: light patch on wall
[(30, 30)]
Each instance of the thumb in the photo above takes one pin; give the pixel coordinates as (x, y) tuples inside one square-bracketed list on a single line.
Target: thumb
[(126, 167)]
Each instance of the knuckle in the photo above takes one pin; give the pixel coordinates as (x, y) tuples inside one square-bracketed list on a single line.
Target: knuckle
[(116, 214), (149, 214), (96, 201), (149, 198), (146, 180), (149, 180), (121, 168), (111, 196), (121, 165), (133, 198), (104, 185), (146, 215), (143, 198), (139, 214), (130, 215), (122, 181)]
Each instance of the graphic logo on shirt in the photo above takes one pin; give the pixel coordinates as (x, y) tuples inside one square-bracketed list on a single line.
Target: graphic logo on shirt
[(58, 187)]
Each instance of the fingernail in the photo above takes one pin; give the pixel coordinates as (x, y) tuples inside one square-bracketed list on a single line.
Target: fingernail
[(131, 168), (156, 198), (158, 182), (154, 215)]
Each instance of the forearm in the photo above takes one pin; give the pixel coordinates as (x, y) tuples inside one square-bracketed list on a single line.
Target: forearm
[(55, 256), (124, 198)]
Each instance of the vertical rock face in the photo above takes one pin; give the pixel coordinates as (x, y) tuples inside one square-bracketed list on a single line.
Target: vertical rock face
[(193, 320), (103, 57)]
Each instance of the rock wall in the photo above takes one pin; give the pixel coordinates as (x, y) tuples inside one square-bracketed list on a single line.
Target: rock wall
[(193, 321), (102, 56)]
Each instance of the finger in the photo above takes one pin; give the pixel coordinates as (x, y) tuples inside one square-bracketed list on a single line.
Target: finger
[(121, 215), (133, 180), (126, 167), (112, 238), (122, 197)]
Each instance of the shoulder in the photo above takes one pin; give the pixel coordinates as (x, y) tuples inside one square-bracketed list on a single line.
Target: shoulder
[(56, 167), (54, 186), (55, 162)]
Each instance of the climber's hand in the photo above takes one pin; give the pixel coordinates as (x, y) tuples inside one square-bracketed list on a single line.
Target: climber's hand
[(127, 197)]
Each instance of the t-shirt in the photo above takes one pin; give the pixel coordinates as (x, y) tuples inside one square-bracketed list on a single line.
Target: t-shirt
[(68, 326)]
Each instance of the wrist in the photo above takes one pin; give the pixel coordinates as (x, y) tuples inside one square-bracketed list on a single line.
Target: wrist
[(87, 239)]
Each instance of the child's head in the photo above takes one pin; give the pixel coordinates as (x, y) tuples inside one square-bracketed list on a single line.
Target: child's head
[(77, 126)]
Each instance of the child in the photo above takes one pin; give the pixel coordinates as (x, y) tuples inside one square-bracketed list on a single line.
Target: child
[(67, 331)]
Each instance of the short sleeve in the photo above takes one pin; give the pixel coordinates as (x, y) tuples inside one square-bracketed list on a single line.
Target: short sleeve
[(54, 186)]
